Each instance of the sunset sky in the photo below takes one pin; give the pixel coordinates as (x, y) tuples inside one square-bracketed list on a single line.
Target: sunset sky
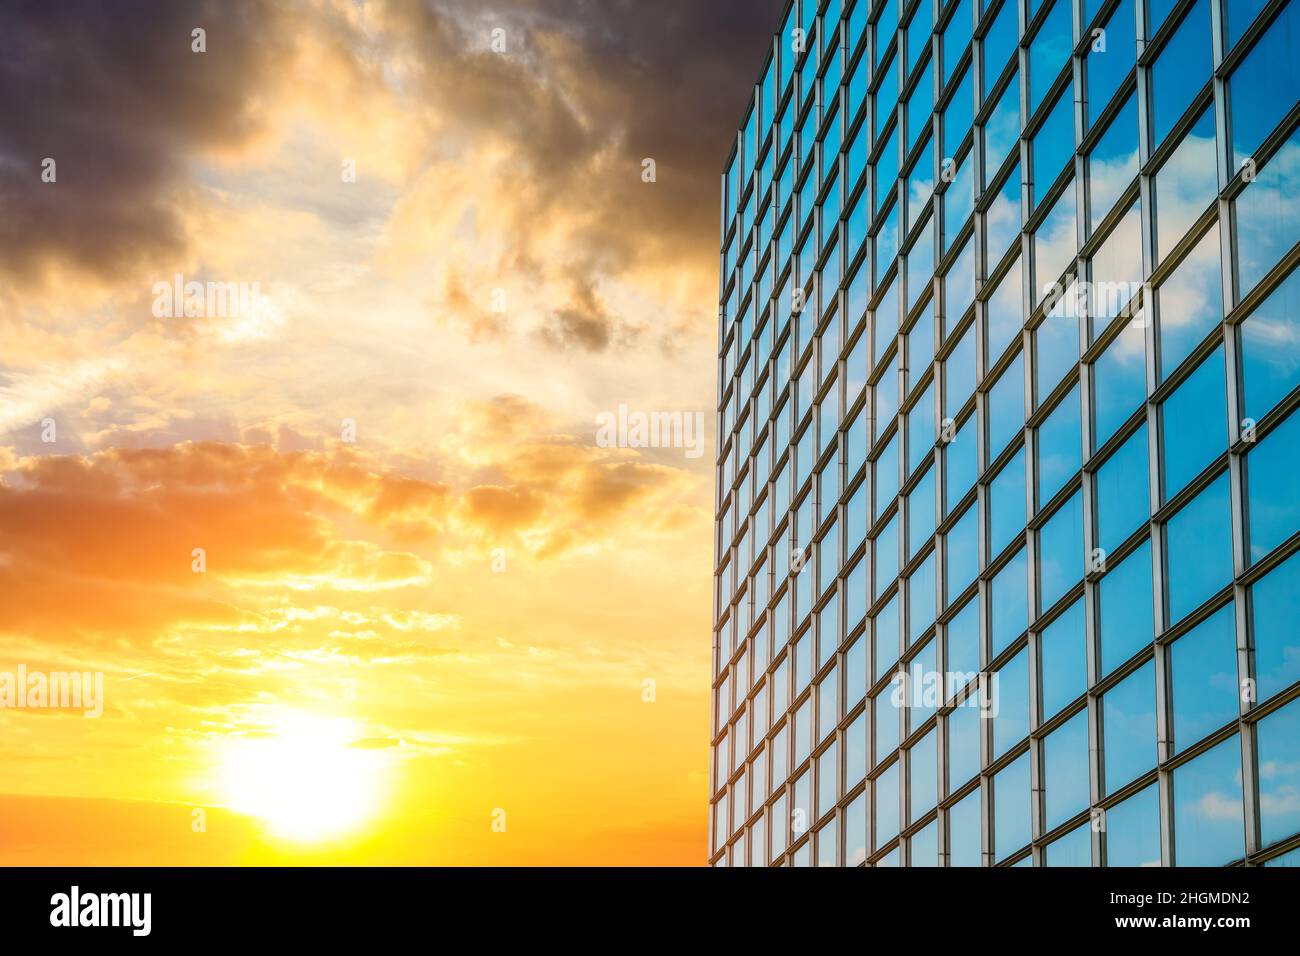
[(398, 637)]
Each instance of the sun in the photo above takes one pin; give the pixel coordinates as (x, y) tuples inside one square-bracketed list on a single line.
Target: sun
[(305, 778)]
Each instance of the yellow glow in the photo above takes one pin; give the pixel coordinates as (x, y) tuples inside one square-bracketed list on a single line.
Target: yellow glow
[(307, 780)]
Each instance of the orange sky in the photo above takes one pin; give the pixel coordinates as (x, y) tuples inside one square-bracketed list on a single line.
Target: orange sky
[(470, 634)]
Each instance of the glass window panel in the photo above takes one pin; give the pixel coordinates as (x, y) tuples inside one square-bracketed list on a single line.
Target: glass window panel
[(1011, 808), (1064, 660), (1132, 830), (1049, 52), (920, 599), (1270, 348), (1279, 774), (1122, 498), (1002, 222), (1005, 311), (920, 514), (1006, 497), (1056, 346), (1116, 273), (961, 552), (1011, 692), (1275, 600), (961, 460), (1119, 383), (1073, 849), (1268, 215), (959, 287), (1209, 827), (921, 431), (1055, 243), (956, 37), (1195, 424), (1203, 678), (887, 631), (964, 724), (1107, 67), (963, 636), (886, 566), (855, 831), (999, 43), (1266, 83), (964, 831), (1006, 407), (921, 766), (1271, 469), (1113, 163), (1129, 727), (1180, 70), (1059, 447), (1190, 302), (1053, 144), (1185, 185), (1126, 615), (1002, 129), (959, 373), (1065, 770), (1060, 558), (1199, 549), (1009, 599), (924, 846), (886, 789)]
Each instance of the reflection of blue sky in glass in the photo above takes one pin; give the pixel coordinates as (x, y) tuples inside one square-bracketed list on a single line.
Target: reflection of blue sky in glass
[(1203, 667), (1275, 600), (1208, 820), (1129, 727)]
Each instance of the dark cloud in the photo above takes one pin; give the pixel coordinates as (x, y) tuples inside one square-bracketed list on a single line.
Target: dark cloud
[(114, 94)]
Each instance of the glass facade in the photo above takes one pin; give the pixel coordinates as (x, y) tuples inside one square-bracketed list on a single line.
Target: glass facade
[(1007, 524)]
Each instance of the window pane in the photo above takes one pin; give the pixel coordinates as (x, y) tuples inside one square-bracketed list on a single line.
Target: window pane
[(1267, 82), (1011, 809), (1049, 52), (961, 458), (1064, 660), (1271, 469), (1011, 693), (1065, 770), (1270, 348), (924, 846), (1268, 215), (1119, 383), (1180, 70), (963, 651), (1208, 818), (1060, 554), (1279, 774), (1186, 184), (1006, 407), (1113, 163), (1199, 542), (1122, 501), (1009, 597), (1073, 849), (1006, 497), (964, 725), (886, 789), (1203, 678), (1133, 830), (964, 831), (1059, 447), (1129, 727), (961, 551), (1056, 346), (999, 44), (1126, 610), (1195, 423), (1191, 303), (1106, 68), (922, 764), (1276, 603)]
